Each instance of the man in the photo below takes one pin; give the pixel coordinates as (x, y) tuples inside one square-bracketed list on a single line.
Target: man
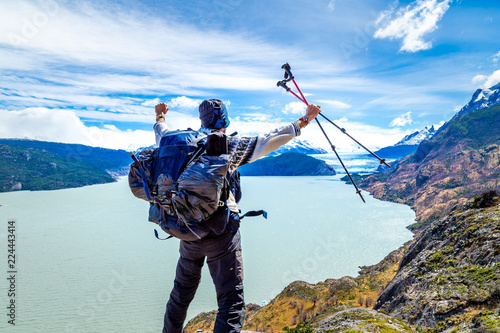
[(222, 250)]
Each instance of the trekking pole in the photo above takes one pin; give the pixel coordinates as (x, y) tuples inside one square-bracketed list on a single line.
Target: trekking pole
[(358, 191), (289, 77), (381, 160)]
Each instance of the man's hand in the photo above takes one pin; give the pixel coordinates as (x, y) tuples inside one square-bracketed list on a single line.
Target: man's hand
[(161, 109), (312, 111)]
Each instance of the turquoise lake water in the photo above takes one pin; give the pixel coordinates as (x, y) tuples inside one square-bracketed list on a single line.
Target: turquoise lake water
[(87, 259)]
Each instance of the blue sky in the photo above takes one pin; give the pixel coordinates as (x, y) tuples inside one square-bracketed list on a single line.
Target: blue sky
[(91, 71)]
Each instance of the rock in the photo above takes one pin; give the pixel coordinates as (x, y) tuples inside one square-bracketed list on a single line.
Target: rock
[(17, 187), (344, 284), (361, 320), (452, 267)]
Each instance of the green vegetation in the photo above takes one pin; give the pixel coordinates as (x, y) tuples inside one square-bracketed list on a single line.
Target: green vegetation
[(300, 328), (35, 169), (96, 157), (436, 260), (473, 282)]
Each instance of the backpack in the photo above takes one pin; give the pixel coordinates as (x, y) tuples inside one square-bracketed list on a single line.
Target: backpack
[(186, 180)]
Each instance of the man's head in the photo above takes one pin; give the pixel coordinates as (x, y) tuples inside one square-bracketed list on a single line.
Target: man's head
[(213, 114)]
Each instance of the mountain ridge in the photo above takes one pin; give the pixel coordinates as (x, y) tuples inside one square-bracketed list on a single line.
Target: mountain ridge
[(481, 99), (287, 164), (41, 165), (456, 164)]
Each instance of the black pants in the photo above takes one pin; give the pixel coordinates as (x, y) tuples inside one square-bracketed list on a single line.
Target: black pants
[(224, 260)]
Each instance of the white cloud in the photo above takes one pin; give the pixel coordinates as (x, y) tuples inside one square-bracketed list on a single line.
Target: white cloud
[(77, 55), (151, 102), (89, 36), (184, 102), (479, 79), (496, 57), (412, 23), (65, 126), (372, 137), (331, 5), (294, 108), (487, 81), (404, 119), (334, 104)]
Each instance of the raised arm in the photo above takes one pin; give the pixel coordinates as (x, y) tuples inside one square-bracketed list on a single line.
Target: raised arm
[(249, 149), (160, 127)]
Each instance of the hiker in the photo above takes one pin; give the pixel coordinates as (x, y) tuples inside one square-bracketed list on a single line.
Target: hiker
[(222, 249)]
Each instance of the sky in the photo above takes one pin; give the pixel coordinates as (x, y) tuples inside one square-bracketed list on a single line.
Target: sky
[(91, 72)]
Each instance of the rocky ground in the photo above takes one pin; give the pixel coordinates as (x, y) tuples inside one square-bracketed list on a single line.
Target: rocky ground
[(362, 321), (450, 275), (446, 280)]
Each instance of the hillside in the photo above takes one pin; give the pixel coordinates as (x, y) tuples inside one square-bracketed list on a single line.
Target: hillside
[(287, 164), (458, 163), (32, 169), (450, 274), (109, 159), (322, 304), (446, 280)]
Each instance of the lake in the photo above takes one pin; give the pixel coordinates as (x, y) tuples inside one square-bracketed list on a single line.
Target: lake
[(87, 259)]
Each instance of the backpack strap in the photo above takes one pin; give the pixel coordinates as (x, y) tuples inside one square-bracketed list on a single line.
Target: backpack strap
[(253, 213), (156, 234), (143, 176)]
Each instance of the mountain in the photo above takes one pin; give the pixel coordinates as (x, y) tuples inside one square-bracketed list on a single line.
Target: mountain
[(481, 99), (417, 137), (446, 280), (449, 277), (24, 168), (109, 159), (39, 165), (299, 146), (333, 305), (456, 164), (408, 145), (287, 164)]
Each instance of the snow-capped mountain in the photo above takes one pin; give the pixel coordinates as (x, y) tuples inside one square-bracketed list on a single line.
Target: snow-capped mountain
[(408, 145), (417, 137), (482, 99), (299, 146)]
